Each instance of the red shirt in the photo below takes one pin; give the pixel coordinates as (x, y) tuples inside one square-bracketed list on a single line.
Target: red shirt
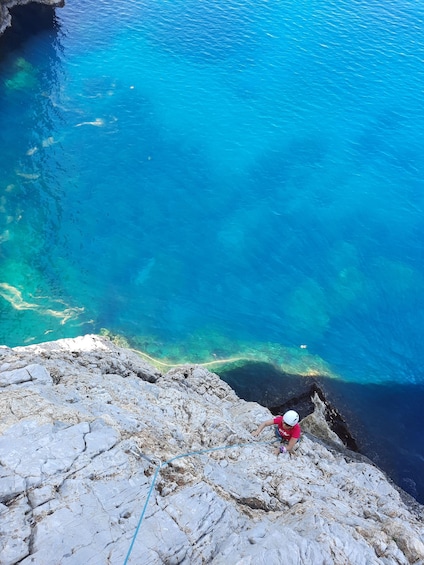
[(295, 431)]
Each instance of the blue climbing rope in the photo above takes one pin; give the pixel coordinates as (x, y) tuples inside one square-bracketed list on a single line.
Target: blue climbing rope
[(159, 467)]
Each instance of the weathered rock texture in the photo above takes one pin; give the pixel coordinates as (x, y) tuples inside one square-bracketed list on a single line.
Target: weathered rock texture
[(75, 416), (7, 5)]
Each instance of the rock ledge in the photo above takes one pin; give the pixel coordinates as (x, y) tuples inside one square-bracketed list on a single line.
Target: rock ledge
[(84, 426)]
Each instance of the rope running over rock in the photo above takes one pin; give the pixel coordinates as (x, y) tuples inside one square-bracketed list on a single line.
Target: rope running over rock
[(161, 465)]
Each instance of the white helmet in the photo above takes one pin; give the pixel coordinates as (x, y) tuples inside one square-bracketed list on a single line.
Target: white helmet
[(291, 418)]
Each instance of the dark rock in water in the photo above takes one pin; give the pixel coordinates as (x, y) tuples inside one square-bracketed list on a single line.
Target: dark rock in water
[(280, 391), (27, 17)]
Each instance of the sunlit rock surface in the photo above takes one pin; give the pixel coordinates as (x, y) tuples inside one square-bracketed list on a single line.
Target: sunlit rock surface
[(5, 7), (87, 429)]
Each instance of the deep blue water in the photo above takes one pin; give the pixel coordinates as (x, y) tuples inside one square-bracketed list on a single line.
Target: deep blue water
[(211, 177)]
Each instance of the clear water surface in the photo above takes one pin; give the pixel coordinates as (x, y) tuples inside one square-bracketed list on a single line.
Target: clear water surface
[(214, 177)]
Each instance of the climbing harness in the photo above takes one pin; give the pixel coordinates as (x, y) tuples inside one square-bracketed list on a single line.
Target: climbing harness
[(160, 465)]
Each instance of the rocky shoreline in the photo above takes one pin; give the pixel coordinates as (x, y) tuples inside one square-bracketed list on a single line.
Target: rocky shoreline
[(8, 7), (85, 425)]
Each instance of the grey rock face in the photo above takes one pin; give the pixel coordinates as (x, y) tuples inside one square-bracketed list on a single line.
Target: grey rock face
[(105, 460)]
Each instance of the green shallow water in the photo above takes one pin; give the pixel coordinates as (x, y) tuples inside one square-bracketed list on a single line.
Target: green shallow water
[(223, 180)]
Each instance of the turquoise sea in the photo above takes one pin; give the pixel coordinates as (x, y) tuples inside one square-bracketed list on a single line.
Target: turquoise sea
[(213, 178)]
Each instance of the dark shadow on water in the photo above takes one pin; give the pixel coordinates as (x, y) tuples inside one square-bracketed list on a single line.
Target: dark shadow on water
[(264, 383), (27, 21), (388, 421), (385, 421)]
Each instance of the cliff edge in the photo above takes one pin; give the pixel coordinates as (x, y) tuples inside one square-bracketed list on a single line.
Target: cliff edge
[(105, 460), (7, 5)]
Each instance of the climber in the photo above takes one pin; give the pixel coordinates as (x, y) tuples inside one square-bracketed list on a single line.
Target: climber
[(287, 430)]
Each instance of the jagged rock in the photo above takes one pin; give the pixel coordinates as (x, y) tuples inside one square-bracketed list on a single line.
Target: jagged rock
[(316, 423), (103, 458), (7, 5)]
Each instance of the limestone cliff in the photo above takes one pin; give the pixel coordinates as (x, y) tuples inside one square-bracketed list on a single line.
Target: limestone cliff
[(87, 434), (7, 5)]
